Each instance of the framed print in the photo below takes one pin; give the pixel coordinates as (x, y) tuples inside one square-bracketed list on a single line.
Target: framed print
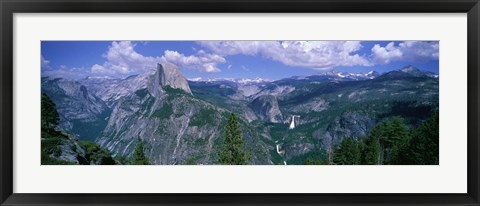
[(251, 103)]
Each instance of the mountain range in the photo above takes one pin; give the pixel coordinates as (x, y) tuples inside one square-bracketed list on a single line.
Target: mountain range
[(283, 121)]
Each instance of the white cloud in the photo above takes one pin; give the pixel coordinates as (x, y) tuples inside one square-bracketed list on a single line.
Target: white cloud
[(96, 68), (45, 63), (244, 68), (203, 61), (62, 71), (122, 59), (196, 79), (67, 72), (309, 54), (408, 51)]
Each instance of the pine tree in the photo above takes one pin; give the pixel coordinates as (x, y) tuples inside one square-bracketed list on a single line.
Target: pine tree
[(138, 156), (391, 133), (232, 151), (423, 147), (371, 151), (347, 153), (49, 114), (312, 161)]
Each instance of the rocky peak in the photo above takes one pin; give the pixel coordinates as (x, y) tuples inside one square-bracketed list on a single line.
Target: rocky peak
[(410, 69), (169, 75), (373, 74), (407, 71), (266, 108), (350, 75)]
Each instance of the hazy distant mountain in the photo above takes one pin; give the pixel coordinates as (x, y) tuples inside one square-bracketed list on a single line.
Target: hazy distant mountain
[(110, 90), (238, 81), (408, 71), (80, 111), (342, 76)]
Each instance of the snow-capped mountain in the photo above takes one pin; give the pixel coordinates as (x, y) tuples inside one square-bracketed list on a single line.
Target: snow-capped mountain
[(334, 75), (238, 80), (350, 75)]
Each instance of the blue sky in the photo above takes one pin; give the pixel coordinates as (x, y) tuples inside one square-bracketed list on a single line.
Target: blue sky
[(234, 59)]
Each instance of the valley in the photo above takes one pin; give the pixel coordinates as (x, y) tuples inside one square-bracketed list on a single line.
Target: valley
[(292, 121)]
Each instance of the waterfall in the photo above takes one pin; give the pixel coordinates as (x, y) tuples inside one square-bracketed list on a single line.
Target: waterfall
[(279, 150), (292, 124)]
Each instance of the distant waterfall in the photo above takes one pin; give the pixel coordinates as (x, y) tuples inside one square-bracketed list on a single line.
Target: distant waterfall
[(280, 151), (292, 124)]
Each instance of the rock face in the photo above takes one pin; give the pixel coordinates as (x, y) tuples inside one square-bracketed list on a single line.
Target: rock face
[(316, 105), (297, 149), (80, 111), (167, 125), (71, 151), (60, 145), (174, 125), (173, 128), (351, 124), (266, 108), (110, 90), (170, 75)]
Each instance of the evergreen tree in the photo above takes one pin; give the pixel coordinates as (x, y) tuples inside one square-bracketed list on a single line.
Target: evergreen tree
[(390, 133), (138, 156), (312, 161), (391, 142), (49, 114), (403, 154), (232, 151), (423, 148), (348, 153), (371, 151), (190, 161)]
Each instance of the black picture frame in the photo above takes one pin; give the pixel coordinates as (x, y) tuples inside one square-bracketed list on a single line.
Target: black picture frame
[(10, 7)]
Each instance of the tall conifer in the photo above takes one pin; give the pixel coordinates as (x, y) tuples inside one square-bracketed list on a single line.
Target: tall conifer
[(233, 151), (138, 156)]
